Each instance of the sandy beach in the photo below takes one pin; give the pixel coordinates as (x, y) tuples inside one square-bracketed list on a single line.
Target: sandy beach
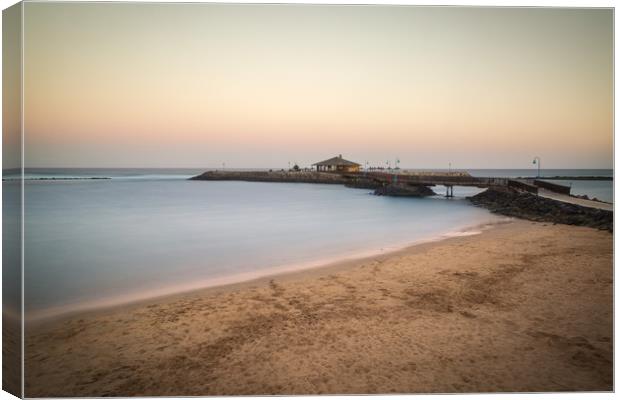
[(524, 306)]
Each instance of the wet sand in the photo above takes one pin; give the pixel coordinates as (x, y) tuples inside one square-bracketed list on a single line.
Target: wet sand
[(521, 307)]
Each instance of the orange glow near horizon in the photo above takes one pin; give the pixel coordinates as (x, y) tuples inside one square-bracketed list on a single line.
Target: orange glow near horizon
[(195, 85)]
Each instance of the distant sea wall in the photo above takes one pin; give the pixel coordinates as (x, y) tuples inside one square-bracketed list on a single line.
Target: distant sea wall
[(571, 178), (58, 178), (552, 186)]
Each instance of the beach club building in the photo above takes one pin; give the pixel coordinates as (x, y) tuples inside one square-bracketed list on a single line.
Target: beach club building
[(337, 164)]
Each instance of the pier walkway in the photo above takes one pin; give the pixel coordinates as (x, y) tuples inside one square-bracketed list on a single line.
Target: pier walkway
[(433, 180), (575, 200), (374, 179), (540, 187)]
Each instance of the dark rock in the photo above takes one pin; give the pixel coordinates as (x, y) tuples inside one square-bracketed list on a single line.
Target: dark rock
[(404, 190), (361, 183), (529, 206)]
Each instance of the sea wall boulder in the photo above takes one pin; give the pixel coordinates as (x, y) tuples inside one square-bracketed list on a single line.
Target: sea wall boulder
[(529, 206)]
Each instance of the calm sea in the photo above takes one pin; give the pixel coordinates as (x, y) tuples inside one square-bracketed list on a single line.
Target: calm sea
[(150, 232)]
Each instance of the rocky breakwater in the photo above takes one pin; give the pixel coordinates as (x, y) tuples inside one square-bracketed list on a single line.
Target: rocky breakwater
[(403, 190), (292, 176), (272, 176), (357, 181), (514, 203)]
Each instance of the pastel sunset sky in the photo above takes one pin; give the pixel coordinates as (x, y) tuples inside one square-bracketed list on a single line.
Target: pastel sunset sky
[(195, 85)]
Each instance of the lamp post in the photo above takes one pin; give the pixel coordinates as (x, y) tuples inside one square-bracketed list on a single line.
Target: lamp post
[(395, 171), (537, 162)]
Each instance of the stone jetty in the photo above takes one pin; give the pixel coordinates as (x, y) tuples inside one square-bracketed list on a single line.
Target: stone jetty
[(359, 181), (521, 204)]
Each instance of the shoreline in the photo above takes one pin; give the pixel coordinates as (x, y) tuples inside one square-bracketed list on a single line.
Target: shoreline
[(462, 315), (235, 281)]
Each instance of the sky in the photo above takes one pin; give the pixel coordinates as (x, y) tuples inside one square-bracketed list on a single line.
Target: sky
[(11, 87), (198, 85)]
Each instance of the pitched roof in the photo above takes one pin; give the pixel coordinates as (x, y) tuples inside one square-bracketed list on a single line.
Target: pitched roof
[(337, 161)]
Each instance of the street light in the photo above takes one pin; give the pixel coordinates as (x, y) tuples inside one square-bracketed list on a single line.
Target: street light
[(537, 162)]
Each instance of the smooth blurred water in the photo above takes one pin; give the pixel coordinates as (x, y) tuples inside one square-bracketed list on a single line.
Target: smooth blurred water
[(97, 241), (114, 173)]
